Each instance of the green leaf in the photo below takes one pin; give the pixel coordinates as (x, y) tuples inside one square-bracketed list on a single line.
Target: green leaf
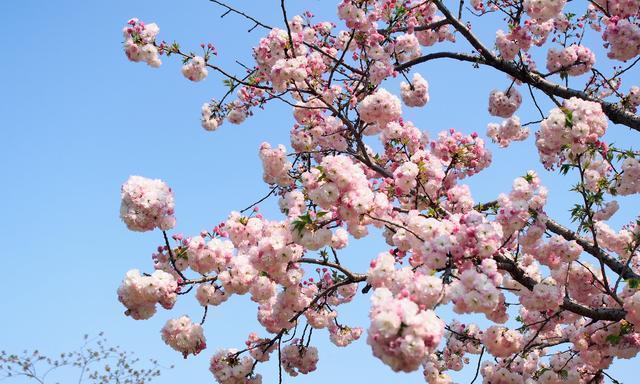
[(564, 168), (528, 177), (633, 283), (568, 120), (613, 339), (541, 371)]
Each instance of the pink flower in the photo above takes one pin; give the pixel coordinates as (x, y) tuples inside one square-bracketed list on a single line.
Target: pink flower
[(147, 204), (184, 336), (502, 342), (297, 359), (380, 107), (623, 37), (506, 132), (140, 293), (504, 104), (401, 334), (415, 94), (230, 368), (195, 69), (569, 129), (575, 60), (543, 10), (139, 42), (275, 164)]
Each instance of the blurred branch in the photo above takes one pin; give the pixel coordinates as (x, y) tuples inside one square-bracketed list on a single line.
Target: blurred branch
[(96, 362)]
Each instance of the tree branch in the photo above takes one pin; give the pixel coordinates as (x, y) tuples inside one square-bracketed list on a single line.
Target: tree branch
[(610, 314), (590, 248), (614, 112)]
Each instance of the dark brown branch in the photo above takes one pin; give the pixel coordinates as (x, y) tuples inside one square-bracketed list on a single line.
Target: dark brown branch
[(205, 279), (610, 314), (230, 9), (274, 189), (172, 259), (466, 32), (478, 366), (426, 27), (616, 113), (355, 277), (615, 265), (286, 23), (590, 248)]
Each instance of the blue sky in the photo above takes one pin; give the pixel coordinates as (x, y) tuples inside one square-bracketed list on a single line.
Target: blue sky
[(78, 119)]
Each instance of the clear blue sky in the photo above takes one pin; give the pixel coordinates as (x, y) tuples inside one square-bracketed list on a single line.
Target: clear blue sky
[(78, 119)]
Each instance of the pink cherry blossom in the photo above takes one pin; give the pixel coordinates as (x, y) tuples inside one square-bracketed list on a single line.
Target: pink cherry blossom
[(184, 336)]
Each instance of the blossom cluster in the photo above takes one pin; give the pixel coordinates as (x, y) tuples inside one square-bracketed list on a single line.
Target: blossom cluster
[(340, 184), (275, 164), (633, 98), (140, 293), (466, 155), (418, 286), (211, 119), (521, 38), (575, 60), (461, 339), (502, 342), (380, 107), (314, 130), (555, 252), (184, 336), (433, 241), (139, 42), (416, 93), (629, 182), (514, 209), (195, 69), (343, 335), (617, 242), (543, 10), (229, 368), (621, 8), (567, 130), (607, 211), (407, 47), (147, 204), (298, 359), (401, 334), (507, 131), (504, 104), (433, 370), (292, 70), (208, 256), (623, 37), (509, 44), (477, 292)]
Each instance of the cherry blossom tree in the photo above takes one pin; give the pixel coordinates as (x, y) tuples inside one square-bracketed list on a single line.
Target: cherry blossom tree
[(95, 362), (564, 302)]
